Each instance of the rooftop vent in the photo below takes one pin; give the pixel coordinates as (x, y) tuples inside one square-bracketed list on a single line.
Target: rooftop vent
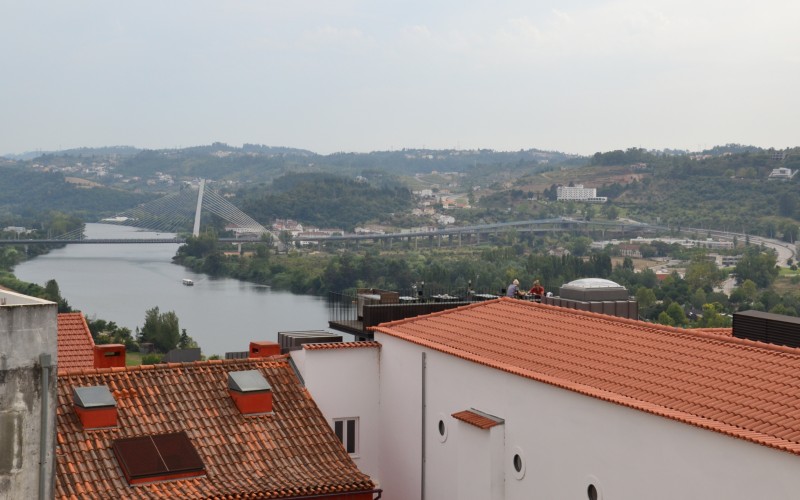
[(250, 392), (264, 349), (595, 295), (95, 406), (593, 289), (767, 327), (109, 355)]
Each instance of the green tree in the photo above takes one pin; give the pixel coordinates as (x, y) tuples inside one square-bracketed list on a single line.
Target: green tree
[(588, 212), (580, 245), (53, 293), (645, 298), (712, 317), (749, 290), (610, 211), (699, 298), (675, 312), (160, 329), (701, 273), (665, 319), (757, 266), (186, 342)]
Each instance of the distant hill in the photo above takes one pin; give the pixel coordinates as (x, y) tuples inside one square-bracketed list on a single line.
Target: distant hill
[(326, 200), (24, 193), (717, 189), (101, 151)]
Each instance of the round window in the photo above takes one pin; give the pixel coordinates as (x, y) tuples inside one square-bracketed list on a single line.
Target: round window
[(594, 490), (441, 429), (518, 462)]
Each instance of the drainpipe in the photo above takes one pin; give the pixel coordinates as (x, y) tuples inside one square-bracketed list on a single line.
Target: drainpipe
[(422, 462), (44, 360)]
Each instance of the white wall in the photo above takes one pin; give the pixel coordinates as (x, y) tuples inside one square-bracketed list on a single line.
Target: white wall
[(567, 440), (27, 329), (344, 383)]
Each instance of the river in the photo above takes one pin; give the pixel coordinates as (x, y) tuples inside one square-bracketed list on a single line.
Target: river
[(119, 282)]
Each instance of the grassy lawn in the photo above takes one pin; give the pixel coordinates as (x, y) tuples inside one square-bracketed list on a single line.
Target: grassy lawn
[(786, 282), (133, 358), (787, 272)]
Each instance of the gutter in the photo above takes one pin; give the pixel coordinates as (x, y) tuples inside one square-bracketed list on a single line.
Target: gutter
[(379, 491), (422, 430), (45, 362)]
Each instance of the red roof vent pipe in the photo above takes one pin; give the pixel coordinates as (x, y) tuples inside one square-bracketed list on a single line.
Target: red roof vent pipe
[(250, 391), (109, 355), (95, 406), (264, 349)]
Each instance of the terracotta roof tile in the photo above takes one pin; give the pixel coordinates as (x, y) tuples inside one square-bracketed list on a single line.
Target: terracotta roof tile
[(341, 345), (75, 343), (478, 419), (725, 332), (742, 388), (291, 452)]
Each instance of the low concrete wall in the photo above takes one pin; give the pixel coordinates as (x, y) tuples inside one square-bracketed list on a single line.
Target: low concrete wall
[(28, 329)]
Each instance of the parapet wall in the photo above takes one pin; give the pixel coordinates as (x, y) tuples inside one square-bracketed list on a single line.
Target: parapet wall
[(28, 333)]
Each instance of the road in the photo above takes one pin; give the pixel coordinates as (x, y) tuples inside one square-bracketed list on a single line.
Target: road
[(784, 250)]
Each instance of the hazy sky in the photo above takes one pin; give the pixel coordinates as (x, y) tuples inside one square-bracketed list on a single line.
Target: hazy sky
[(350, 75)]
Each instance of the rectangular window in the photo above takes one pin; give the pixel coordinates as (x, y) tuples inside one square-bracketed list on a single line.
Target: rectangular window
[(346, 430)]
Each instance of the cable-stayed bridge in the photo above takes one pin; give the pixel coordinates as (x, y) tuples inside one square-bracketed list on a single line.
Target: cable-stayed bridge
[(177, 212), (174, 213)]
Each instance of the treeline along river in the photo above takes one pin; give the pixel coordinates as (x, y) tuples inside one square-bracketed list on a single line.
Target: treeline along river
[(119, 282)]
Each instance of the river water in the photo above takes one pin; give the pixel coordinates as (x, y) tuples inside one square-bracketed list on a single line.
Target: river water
[(119, 282)]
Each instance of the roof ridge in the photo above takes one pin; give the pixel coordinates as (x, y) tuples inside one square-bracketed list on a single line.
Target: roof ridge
[(313, 346)]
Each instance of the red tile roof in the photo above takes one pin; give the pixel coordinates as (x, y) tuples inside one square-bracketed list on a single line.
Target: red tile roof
[(290, 453), (477, 419), (75, 344), (341, 345), (741, 388)]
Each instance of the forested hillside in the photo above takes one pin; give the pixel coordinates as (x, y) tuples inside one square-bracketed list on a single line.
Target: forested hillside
[(25, 193), (732, 191), (325, 200)]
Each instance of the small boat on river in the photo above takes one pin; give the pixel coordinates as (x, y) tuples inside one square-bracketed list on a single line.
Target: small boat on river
[(187, 282)]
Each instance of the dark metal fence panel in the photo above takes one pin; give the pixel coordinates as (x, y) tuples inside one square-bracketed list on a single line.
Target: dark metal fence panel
[(382, 313)]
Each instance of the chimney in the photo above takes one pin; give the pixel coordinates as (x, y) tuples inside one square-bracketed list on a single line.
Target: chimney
[(95, 406), (264, 349), (109, 355), (250, 391)]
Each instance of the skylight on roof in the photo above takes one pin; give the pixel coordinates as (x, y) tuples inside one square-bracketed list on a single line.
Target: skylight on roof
[(248, 381), (96, 396), (159, 457)]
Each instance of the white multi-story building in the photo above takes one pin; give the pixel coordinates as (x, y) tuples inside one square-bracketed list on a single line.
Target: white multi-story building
[(579, 193), (508, 399), (782, 173)]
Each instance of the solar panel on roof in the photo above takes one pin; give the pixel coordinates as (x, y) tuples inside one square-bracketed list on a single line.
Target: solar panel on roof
[(95, 396), (158, 456), (248, 381), (178, 452), (138, 457)]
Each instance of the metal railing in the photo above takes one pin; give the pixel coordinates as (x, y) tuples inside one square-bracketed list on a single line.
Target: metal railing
[(359, 310)]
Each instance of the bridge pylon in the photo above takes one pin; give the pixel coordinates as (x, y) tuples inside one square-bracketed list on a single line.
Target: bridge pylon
[(196, 229)]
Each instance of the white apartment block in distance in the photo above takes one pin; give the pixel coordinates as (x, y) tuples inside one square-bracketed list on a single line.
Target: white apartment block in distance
[(579, 193)]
